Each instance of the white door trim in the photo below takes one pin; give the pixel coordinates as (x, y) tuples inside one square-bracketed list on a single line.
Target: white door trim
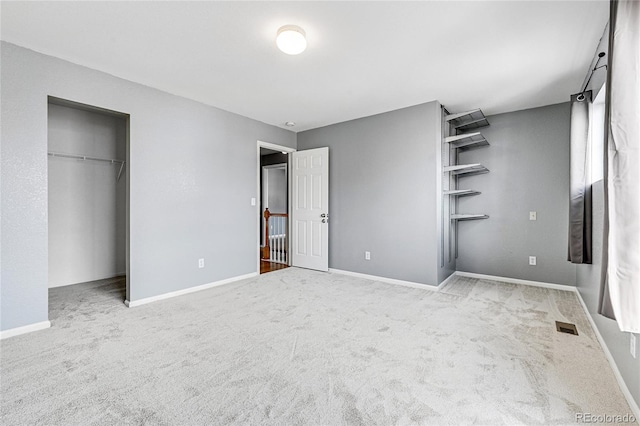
[(275, 147)]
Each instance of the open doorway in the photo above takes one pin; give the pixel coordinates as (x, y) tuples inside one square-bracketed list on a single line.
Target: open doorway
[(274, 208), (305, 235), (274, 196), (88, 208)]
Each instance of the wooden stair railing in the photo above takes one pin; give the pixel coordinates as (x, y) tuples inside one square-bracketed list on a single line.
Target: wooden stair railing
[(280, 251)]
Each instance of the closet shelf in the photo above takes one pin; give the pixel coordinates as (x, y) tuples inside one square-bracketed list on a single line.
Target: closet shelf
[(467, 141), (466, 169), (467, 120), (461, 192), (469, 216)]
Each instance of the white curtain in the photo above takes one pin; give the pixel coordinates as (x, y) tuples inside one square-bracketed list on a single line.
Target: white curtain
[(620, 295)]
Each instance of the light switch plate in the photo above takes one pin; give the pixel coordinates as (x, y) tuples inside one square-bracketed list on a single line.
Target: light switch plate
[(533, 216), (253, 201)]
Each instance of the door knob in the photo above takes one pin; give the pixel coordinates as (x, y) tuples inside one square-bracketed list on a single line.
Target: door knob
[(324, 215)]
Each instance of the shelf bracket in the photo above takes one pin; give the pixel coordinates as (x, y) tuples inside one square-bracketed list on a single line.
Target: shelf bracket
[(120, 171)]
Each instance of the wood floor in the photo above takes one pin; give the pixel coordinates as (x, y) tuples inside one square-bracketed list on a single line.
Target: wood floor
[(266, 266)]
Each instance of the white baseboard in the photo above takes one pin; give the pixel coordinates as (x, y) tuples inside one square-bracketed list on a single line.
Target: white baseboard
[(384, 279), (5, 334), (516, 281), (451, 277), (612, 362), (134, 303), (446, 281)]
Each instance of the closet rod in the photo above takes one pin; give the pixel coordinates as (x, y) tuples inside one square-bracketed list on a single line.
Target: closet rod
[(84, 157)]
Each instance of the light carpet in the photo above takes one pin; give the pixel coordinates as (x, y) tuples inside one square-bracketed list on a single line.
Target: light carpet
[(304, 347)]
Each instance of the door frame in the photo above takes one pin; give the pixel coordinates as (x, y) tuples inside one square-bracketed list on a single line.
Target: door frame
[(264, 194), (275, 147), (264, 190), (54, 100)]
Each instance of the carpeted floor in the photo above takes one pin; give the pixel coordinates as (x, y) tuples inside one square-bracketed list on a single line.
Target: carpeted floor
[(302, 347)]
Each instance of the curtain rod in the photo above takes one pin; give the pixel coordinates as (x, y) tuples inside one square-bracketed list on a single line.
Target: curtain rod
[(595, 67)]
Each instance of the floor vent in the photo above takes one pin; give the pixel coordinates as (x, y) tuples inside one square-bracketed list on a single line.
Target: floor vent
[(565, 327)]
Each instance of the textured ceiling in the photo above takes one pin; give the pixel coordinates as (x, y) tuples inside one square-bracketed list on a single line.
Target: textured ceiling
[(362, 58)]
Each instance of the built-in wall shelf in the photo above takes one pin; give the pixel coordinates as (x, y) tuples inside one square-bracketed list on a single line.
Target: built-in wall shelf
[(461, 192), (461, 170), (459, 133), (469, 216), (467, 141), (467, 120)]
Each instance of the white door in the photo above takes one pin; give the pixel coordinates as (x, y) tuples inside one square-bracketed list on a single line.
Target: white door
[(310, 212)]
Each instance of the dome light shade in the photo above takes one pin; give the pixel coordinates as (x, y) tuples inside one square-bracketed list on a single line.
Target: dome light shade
[(291, 39)]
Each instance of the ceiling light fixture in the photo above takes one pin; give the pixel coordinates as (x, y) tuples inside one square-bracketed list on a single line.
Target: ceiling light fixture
[(291, 39), (285, 152), (289, 124)]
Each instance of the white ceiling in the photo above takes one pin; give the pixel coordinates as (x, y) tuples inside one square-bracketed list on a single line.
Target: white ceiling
[(362, 58)]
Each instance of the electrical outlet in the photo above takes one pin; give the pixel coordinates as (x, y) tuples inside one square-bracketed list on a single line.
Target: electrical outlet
[(367, 255), (632, 344), (533, 216), (200, 263), (532, 260)]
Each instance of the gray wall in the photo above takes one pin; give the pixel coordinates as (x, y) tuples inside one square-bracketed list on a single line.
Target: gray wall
[(180, 151), (383, 192), (87, 206), (588, 283), (529, 171)]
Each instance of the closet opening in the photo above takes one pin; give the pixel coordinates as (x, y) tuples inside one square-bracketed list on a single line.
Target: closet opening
[(88, 215)]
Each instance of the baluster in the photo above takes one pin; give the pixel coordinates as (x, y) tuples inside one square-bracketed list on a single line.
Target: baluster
[(272, 243), (280, 239), (270, 236), (279, 248)]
